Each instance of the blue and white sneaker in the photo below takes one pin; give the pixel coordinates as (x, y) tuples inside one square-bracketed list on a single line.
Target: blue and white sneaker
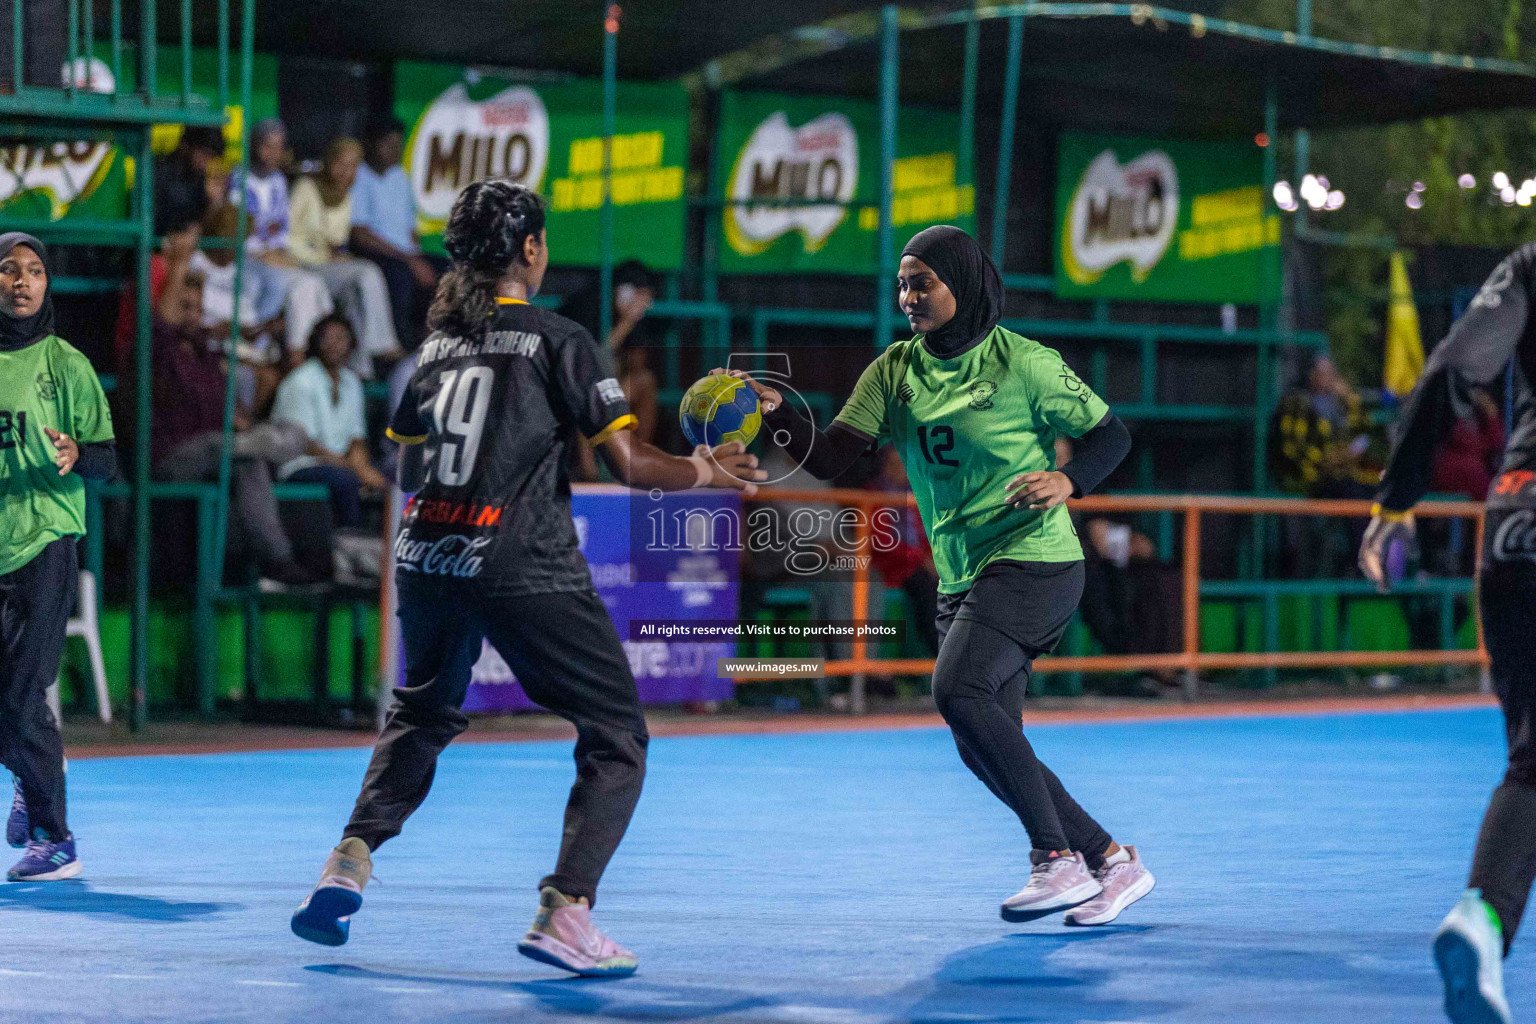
[(1469, 949), (326, 915), (17, 827), (46, 861)]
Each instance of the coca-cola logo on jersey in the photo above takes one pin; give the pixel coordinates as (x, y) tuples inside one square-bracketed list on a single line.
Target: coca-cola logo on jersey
[(1515, 537), (453, 555)]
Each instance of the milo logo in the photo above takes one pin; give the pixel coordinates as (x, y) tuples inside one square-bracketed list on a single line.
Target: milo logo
[(1120, 215), (817, 161), (459, 140), (45, 179)]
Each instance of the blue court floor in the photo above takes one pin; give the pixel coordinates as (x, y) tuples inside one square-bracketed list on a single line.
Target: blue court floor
[(850, 878)]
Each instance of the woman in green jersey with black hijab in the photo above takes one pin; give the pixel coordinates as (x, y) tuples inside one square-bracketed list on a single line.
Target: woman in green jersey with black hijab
[(974, 411), (55, 429)]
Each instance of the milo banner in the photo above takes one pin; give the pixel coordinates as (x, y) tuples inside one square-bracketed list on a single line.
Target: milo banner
[(91, 179), (671, 582), (817, 160), (466, 126), (1160, 220)]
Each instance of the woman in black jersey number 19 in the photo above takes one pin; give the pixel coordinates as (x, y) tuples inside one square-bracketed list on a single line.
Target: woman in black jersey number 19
[(1475, 936), (974, 411), (487, 548)]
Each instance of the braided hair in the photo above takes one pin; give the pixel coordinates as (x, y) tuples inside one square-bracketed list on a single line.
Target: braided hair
[(485, 234)]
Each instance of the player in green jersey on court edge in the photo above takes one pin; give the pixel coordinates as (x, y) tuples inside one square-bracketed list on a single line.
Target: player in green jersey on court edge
[(55, 431), (974, 411)]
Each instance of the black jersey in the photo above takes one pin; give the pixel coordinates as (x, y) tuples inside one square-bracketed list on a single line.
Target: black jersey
[(498, 414), (1495, 328)]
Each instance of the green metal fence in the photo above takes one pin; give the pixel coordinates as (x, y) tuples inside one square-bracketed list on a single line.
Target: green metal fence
[(125, 115)]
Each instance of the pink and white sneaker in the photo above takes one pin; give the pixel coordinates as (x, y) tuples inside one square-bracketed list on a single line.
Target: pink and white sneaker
[(1124, 883), (563, 935), (1055, 884)]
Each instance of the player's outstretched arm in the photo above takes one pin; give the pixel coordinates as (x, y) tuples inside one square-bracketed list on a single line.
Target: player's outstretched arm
[(825, 454), (646, 467)]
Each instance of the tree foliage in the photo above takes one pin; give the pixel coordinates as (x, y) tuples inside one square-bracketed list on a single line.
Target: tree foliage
[(1376, 167)]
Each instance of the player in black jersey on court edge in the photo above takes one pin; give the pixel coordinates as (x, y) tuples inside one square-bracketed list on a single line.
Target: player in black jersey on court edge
[(1496, 328), (488, 548)]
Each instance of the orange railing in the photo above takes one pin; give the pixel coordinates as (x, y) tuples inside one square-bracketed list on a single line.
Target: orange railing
[(1191, 660)]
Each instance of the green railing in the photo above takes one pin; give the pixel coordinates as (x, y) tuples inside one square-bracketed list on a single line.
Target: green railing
[(81, 98), (124, 113)]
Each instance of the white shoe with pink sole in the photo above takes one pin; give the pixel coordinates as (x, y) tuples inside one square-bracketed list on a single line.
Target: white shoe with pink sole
[(1124, 883)]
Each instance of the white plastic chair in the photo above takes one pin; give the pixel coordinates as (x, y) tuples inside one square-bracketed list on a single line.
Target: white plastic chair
[(84, 625)]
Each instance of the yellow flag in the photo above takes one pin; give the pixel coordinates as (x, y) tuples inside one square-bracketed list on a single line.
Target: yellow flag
[(1405, 348)]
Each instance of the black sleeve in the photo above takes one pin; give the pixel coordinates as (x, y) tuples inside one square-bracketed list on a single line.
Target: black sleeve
[(584, 379), (1096, 454), (1476, 351), (406, 425), (98, 460), (825, 454)]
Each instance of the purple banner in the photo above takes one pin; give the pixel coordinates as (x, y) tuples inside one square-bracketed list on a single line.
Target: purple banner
[(640, 579)]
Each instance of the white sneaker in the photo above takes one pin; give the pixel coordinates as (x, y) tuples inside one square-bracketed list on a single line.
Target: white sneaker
[(1469, 949), (1058, 884), (1124, 883), (563, 935)]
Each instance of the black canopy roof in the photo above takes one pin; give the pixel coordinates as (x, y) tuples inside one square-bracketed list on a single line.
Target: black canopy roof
[(1090, 66), (1131, 68)]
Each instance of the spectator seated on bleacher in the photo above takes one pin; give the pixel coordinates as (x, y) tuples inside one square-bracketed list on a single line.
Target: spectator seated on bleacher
[(306, 297), (320, 221), (181, 179), (384, 229), (258, 311), (187, 434), (189, 182), (634, 291), (1325, 446), (324, 398)]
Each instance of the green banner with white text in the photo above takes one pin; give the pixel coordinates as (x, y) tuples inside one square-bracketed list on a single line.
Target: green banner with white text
[(1161, 220), (464, 126), (812, 166)]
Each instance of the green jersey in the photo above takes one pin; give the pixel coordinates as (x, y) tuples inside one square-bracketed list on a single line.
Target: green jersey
[(47, 384), (964, 427)]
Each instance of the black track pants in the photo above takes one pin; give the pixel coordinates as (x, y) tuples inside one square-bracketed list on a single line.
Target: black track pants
[(1504, 865), (566, 654), (35, 604)]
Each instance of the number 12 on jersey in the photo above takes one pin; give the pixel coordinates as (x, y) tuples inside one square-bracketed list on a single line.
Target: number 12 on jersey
[(943, 442), (463, 399)]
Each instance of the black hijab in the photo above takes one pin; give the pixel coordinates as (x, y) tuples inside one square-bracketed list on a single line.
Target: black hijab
[(968, 272), (17, 332)]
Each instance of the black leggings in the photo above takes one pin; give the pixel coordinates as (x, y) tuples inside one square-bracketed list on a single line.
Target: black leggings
[(1504, 865), (1015, 612)]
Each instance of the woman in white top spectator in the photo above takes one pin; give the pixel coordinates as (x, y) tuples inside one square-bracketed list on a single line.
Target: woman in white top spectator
[(306, 297), (326, 398), (320, 219), (258, 310)]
